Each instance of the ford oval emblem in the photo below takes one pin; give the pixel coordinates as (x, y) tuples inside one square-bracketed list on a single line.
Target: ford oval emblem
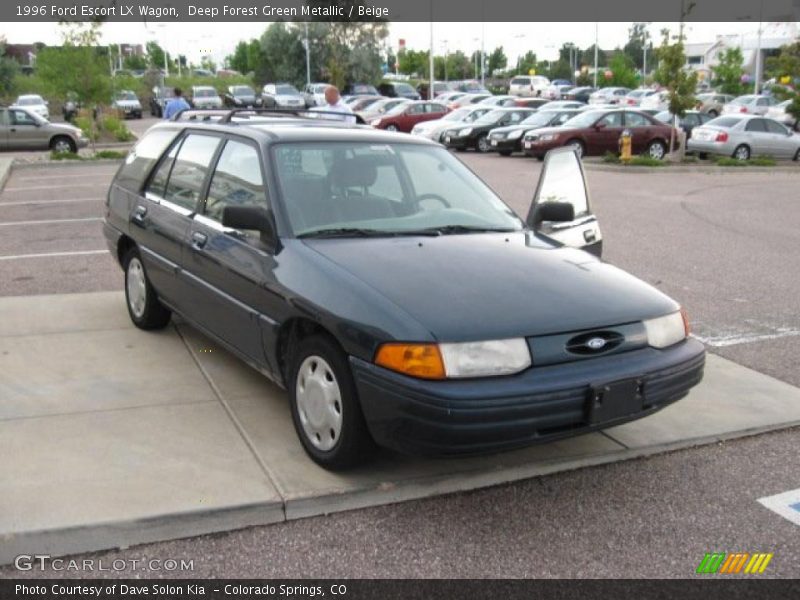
[(595, 343)]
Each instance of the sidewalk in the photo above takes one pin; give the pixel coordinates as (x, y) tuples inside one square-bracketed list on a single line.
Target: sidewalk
[(110, 436)]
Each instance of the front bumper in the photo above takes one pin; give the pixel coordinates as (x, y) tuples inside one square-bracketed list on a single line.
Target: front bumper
[(539, 405), (505, 145), (458, 143), (540, 148)]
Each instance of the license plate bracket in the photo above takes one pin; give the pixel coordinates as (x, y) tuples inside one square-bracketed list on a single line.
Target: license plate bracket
[(614, 400)]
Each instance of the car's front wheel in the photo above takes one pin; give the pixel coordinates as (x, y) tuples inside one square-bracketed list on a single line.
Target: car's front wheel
[(742, 152), (325, 407), (578, 146), (483, 145), (62, 144), (656, 149), (713, 114), (144, 308)]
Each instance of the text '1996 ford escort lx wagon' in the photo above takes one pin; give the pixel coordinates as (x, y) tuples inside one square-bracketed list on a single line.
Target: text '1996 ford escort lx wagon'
[(392, 293)]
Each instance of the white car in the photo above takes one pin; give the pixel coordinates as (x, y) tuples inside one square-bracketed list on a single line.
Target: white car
[(749, 104), (609, 95), (314, 94), (636, 97), (433, 130), (128, 104), (285, 95), (34, 103), (205, 96), (658, 101), (527, 86), (779, 113), (556, 92)]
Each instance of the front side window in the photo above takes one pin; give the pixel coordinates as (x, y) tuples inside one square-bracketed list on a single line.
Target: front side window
[(383, 188), (237, 180), (613, 119), (20, 117), (189, 171), (636, 120)]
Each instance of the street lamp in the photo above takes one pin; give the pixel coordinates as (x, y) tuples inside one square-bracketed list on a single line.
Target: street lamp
[(308, 56), (444, 44), (476, 40)]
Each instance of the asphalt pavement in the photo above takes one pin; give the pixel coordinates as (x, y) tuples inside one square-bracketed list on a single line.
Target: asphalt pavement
[(725, 245)]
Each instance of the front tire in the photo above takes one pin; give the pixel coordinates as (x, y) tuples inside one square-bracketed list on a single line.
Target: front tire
[(61, 144), (325, 408), (391, 128), (742, 152), (144, 308), (482, 145), (713, 114), (657, 150), (505, 152)]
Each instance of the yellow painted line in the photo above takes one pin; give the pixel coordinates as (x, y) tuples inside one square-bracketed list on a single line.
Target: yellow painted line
[(765, 563), (742, 561)]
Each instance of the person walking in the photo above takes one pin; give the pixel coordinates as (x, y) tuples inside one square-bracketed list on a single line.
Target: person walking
[(334, 104), (176, 104)]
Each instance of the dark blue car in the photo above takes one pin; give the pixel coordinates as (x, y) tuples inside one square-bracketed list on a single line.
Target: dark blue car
[(388, 289)]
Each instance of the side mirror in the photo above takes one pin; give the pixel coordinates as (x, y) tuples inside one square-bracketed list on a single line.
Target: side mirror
[(561, 193), (560, 212), (252, 218)]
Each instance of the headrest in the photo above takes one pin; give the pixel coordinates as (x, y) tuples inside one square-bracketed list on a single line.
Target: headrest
[(359, 171)]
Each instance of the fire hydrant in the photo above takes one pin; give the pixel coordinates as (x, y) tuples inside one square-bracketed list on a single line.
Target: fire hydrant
[(625, 145)]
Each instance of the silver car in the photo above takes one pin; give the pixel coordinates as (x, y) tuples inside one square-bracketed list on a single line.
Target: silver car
[(711, 103), (205, 96), (779, 113), (128, 104), (22, 129), (284, 95), (743, 136), (433, 130), (749, 104)]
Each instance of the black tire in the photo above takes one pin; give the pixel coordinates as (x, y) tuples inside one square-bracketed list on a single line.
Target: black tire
[(540, 158), (154, 315), (353, 444), (482, 144), (742, 152), (702, 155), (579, 145), (392, 127), (505, 152), (657, 149), (713, 114), (797, 155), (63, 143)]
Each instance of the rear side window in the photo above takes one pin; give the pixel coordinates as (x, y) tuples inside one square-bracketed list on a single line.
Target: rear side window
[(756, 125), (775, 127), (142, 158), (520, 81), (237, 180), (189, 171)]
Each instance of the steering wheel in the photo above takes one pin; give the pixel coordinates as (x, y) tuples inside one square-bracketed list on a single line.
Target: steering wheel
[(422, 197)]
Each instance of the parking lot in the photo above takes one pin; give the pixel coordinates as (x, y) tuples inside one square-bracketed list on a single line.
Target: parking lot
[(723, 243)]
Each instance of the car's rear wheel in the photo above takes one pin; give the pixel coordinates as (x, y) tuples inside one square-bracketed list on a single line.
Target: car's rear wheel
[(62, 144), (391, 127), (144, 308), (656, 149), (713, 113), (742, 152), (580, 149), (325, 407)]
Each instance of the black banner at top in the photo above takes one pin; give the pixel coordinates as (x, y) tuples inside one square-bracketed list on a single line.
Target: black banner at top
[(400, 10)]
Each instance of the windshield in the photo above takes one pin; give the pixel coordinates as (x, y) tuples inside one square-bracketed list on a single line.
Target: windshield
[(286, 89), (539, 119), (205, 92), (29, 100), (126, 96), (743, 100), (345, 188), (492, 116), (584, 119), (243, 90), (404, 88), (456, 115)]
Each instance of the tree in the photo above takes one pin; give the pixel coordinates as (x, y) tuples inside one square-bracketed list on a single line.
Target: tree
[(785, 68), (622, 71), (8, 70), (728, 73), (526, 62), (413, 62), (238, 61), (497, 60), (155, 55), (673, 76), (283, 53), (638, 40)]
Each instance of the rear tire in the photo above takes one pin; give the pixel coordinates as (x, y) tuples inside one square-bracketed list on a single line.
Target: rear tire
[(713, 114), (657, 150), (797, 155), (325, 407), (579, 147), (742, 152), (392, 127), (144, 308)]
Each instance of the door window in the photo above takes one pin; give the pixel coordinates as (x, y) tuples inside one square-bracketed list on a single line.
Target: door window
[(756, 125), (636, 120), (20, 117), (189, 171), (237, 180), (415, 109), (612, 119), (158, 183), (775, 127)]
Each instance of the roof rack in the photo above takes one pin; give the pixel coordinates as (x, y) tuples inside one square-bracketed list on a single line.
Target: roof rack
[(227, 115)]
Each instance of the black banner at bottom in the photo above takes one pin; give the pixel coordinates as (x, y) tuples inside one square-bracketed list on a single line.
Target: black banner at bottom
[(405, 589)]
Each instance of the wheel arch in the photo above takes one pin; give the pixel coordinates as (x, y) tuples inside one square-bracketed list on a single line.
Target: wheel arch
[(290, 333)]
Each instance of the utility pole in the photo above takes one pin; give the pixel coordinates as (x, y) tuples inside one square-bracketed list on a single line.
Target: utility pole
[(758, 49), (308, 57), (595, 53), (430, 87), (483, 53)]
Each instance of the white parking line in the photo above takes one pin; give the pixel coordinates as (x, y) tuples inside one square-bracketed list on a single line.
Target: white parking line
[(786, 505), (723, 341), (53, 254), (62, 201), (50, 221), (34, 188)]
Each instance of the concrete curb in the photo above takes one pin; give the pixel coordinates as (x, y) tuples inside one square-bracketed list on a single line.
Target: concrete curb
[(67, 163), (6, 165), (705, 169)]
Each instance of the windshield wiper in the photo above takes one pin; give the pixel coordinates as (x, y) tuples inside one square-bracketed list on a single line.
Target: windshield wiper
[(456, 229), (343, 232)]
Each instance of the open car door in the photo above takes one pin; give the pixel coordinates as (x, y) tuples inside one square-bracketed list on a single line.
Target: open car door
[(561, 208)]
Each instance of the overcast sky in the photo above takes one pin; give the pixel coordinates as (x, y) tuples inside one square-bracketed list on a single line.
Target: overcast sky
[(219, 39)]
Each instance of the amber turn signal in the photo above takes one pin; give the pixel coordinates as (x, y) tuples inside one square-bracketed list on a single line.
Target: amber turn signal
[(686, 327), (417, 360)]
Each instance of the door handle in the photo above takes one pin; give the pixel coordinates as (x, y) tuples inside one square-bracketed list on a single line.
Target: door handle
[(137, 218), (199, 240)]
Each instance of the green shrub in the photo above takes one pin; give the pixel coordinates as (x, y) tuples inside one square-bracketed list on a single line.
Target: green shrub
[(610, 157), (116, 127), (84, 122), (65, 156), (758, 161), (762, 161), (109, 154), (645, 161)]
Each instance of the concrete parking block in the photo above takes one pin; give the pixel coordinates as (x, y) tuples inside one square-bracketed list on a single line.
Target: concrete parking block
[(114, 477), (732, 401)]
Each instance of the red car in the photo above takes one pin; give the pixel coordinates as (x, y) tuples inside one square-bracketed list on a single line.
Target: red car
[(595, 132), (405, 116)]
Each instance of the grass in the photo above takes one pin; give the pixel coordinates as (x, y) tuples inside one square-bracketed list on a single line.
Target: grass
[(758, 161), (99, 155), (109, 154), (635, 161), (65, 156)]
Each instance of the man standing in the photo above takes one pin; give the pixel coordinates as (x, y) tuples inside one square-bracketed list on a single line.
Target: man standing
[(175, 105), (335, 105)]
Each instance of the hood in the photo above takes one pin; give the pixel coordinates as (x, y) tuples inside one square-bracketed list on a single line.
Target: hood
[(495, 286), (546, 130), (75, 131), (244, 97)]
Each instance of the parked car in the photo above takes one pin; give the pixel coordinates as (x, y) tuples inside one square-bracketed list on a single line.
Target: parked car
[(360, 89), (34, 103), (581, 94), (283, 95), (498, 101), (70, 107), (380, 107), (557, 104), (595, 132), (405, 116), (688, 122), (749, 104), (127, 102), (528, 85), (743, 136), (779, 113), (712, 103), (24, 129), (531, 102), (448, 97), (609, 95), (434, 130), (470, 86), (416, 311), (158, 101), (507, 140), (314, 94), (556, 91), (468, 99), (241, 96), (476, 134), (398, 89), (656, 102), (439, 88), (204, 96), (364, 102), (635, 97)]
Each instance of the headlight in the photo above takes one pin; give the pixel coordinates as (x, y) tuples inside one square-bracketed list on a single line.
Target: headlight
[(667, 330), (469, 359), (465, 131), (547, 137), (514, 134)]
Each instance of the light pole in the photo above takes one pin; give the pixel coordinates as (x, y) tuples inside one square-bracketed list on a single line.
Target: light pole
[(308, 57), (758, 49), (476, 40), (483, 52), (444, 43), (595, 53), (430, 61)]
